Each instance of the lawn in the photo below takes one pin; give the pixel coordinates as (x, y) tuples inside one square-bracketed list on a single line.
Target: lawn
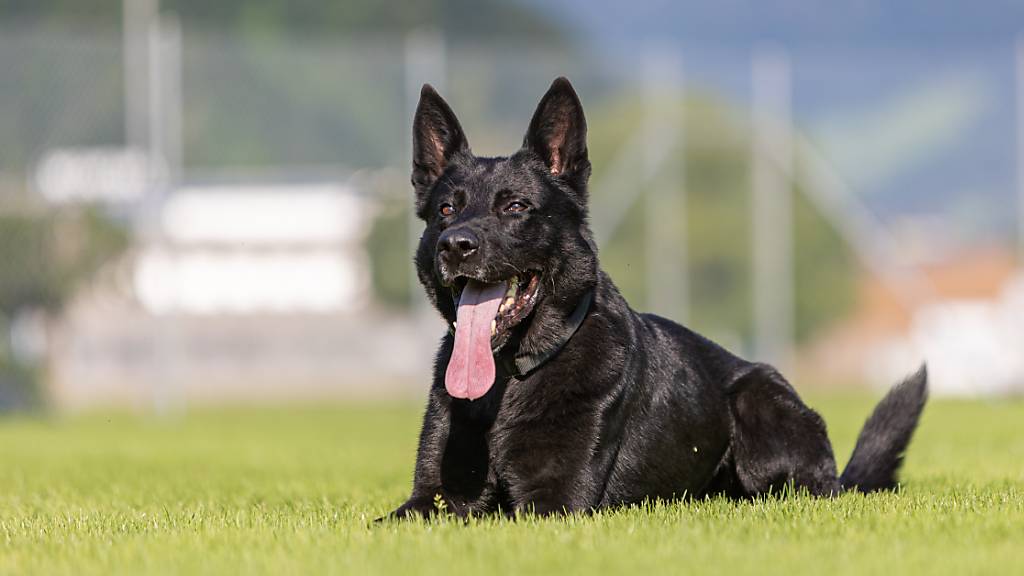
[(295, 491)]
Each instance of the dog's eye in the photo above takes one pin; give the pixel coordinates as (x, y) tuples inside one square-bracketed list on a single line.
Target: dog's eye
[(447, 209), (516, 206)]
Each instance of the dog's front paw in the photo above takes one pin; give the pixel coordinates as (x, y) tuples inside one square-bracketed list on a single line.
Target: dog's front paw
[(419, 506)]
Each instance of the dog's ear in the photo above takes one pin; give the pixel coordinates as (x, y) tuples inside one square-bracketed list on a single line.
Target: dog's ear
[(436, 138), (558, 134)]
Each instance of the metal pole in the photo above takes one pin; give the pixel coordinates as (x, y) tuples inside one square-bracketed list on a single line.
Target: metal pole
[(164, 153), (772, 205), (155, 125), (136, 16), (667, 281), (424, 63), (171, 55)]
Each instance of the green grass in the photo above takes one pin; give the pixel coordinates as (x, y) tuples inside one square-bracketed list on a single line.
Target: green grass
[(294, 491)]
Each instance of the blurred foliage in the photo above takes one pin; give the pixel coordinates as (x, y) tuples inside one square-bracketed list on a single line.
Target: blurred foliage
[(717, 166), (47, 255), (269, 101), (391, 252), (717, 173), (56, 89), (468, 18), (265, 89), (265, 82), (19, 387)]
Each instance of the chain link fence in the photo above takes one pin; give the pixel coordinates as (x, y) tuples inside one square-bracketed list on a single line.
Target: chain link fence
[(916, 145)]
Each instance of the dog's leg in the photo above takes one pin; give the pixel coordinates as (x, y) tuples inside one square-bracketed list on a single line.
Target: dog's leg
[(777, 440), (453, 474), (427, 498), (548, 465)]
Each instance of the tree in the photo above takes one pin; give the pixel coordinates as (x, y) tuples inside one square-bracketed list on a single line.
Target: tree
[(47, 256), (467, 18)]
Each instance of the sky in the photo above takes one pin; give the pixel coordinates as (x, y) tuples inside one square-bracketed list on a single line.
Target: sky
[(913, 101)]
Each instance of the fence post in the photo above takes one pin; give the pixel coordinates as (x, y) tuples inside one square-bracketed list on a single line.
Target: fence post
[(772, 208), (424, 63), (137, 16), (165, 103), (165, 158), (667, 281)]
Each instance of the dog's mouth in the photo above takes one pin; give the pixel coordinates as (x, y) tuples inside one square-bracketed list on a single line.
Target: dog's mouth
[(487, 313), (517, 301)]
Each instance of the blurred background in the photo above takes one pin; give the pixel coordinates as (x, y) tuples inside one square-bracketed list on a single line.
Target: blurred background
[(208, 202)]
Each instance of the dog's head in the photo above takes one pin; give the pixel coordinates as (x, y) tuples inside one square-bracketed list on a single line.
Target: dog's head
[(506, 248)]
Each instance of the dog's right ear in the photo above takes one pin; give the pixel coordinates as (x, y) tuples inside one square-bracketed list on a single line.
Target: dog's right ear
[(436, 138), (558, 134)]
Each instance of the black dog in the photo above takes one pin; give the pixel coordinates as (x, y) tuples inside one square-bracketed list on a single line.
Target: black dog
[(550, 393)]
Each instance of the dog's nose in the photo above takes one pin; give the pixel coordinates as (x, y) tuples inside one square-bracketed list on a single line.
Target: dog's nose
[(457, 244)]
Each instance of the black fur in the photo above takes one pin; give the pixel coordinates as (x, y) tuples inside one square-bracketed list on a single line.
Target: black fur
[(634, 407), (885, 436)]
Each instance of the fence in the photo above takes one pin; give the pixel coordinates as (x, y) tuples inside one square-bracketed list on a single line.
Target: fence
[(745, 191)]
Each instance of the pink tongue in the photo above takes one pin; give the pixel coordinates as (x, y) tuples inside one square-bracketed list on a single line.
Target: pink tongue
[(471, 368)]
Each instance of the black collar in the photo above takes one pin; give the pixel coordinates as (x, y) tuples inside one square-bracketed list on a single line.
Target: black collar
[(523, 363)]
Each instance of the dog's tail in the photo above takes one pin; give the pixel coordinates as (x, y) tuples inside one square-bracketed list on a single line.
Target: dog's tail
[(882, 442)]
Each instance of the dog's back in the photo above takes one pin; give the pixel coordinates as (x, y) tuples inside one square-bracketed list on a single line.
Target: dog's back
[(693, 396)]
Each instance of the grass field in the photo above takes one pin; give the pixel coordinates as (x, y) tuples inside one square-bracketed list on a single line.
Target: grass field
[(294, 491)]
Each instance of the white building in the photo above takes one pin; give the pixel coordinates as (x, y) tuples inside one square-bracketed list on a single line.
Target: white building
[(239, 293), (257, 249)]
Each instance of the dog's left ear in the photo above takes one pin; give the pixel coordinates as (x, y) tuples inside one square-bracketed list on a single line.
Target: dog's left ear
[(558, 134)]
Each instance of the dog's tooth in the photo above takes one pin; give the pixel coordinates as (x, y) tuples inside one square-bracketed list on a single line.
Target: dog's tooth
[(494, 327), (509, 302)]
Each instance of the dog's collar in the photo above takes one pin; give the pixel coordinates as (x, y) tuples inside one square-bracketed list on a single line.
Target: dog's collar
[(523, 363)]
